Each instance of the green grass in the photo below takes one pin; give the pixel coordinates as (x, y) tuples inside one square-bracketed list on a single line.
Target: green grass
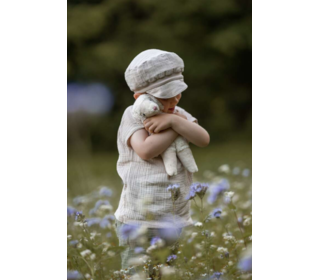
[(87, 172)]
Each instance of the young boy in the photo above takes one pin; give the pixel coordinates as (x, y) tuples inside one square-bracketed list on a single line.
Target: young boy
[(144, 198)]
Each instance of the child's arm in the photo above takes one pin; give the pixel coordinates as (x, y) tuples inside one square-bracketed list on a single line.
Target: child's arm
[(148, 147), (193, 132)]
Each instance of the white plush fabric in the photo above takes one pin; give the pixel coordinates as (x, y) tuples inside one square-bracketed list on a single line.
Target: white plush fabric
[(147, 106)]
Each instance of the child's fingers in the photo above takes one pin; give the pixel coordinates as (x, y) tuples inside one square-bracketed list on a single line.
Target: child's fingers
[(152, 128)]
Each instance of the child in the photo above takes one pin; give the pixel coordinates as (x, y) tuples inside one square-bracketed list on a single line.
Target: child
[(145, 199)]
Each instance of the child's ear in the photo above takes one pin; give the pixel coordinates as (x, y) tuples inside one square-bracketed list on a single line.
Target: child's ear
[(136, 95)]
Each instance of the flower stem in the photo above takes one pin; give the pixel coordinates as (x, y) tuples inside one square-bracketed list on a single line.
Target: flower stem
[(244, 242)]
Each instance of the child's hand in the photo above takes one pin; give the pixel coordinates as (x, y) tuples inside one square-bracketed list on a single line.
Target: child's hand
[(158, 123)]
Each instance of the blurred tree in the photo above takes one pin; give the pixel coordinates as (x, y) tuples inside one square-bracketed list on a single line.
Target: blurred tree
[(213, 37)]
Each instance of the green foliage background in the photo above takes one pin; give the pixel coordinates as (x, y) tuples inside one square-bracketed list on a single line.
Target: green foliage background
[(213, 37)]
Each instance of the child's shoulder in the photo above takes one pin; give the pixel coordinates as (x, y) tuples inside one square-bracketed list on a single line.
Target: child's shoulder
[(127, 112), (182, 111)]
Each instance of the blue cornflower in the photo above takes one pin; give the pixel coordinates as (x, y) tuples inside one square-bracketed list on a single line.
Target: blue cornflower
[(245, 263), (78, 215), (199, 189), (216, 275), (73, 242), (217, 189), (236, 171), (73, 274), (175, 191), (106, 221), (79, 200), (97, 205), (138, 250), (217, 213), (129, 231), (71, 211), (171, 258), (93, 221), (154, 240), (105, 191), (246, 172)]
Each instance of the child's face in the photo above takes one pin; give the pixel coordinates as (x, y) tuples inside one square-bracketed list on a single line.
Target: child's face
[(170, 103)]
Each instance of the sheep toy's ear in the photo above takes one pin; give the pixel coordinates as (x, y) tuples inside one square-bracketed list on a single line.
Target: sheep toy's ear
[(137, 105), (155, 100)]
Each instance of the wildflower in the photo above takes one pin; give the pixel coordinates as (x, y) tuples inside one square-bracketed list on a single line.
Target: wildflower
[(171, 258), (93, 221), (216, 275), (73, 274), (246, 172), (129, 231), (138, 250), (78, 216), (167, 270), (217, 189), (85, 252), (105, 191), (106, 221), (217, 213), (245, 263), (69, 236), (98, 204), (199, 189), (247, 222), (198, 224), (151, 248), (224, 168), (156, 240), (73, 242), (175, 191), (79, 200), (236, 171), (70, 211), (222, 250)]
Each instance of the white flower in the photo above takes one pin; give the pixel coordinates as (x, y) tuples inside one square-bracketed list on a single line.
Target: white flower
[(151, 248), (230, 263), (224, 168), (229, 194), (106, 207), (111, 253), (85, 253), (194, 234), (167, 270), (198, 224), (212, 234), (77, 224), (93, 256), (222, 250), (69, 236), (212, 247), (199, 255), (135, 261), (247, 222)]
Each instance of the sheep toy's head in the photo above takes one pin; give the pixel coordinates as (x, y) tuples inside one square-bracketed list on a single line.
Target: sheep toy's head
[(146, 106)]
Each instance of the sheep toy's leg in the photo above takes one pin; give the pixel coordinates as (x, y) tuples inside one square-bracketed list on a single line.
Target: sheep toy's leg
[(169, 157), (184, 153)]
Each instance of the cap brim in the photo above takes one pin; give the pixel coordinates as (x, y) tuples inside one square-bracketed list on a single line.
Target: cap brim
[(169, 89)]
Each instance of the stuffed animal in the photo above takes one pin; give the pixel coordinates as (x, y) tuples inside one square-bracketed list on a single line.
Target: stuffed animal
[(147, 106)]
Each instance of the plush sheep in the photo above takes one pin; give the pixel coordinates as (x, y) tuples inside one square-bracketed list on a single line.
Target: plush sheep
[(147, 106)]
